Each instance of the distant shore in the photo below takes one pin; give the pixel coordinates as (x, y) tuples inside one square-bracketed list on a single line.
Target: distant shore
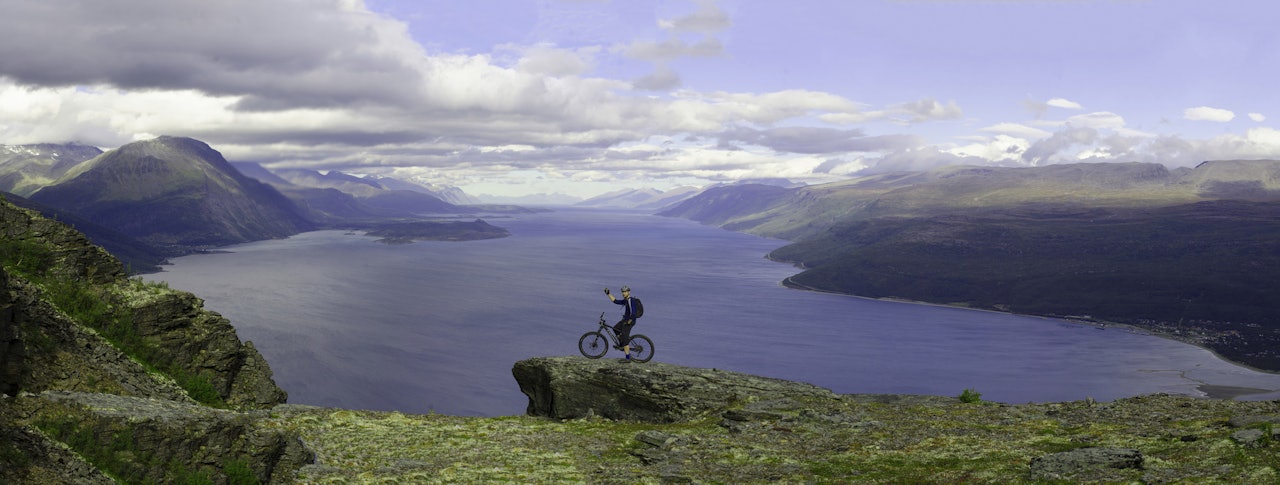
[(1210, 390)]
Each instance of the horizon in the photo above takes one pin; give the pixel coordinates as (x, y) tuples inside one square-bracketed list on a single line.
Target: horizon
[(583, 98)]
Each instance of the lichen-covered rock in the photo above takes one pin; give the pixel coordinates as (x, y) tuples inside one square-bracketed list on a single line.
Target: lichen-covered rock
[(191, 439), (1087, 464), (71, 253), (43, 460), (205, 343), (575, 387), (46, 350)]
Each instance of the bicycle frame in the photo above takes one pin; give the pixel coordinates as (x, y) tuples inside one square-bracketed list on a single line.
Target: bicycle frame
[(612, 335), (596, 343)]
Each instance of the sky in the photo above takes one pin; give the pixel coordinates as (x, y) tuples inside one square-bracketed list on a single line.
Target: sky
[(582, 97)]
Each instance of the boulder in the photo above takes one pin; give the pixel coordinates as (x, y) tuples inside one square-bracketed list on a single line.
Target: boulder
[(577, 387)]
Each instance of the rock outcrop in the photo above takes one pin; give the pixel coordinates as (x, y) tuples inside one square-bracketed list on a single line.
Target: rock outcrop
[(47, 350), (104, 377), (575, 387), (137, 434), (206, 344)]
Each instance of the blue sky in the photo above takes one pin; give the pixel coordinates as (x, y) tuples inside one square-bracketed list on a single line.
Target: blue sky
[(581, 97)]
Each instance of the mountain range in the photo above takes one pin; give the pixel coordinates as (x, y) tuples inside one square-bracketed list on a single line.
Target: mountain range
[(153, 199), (1193, 253), (642, 199)]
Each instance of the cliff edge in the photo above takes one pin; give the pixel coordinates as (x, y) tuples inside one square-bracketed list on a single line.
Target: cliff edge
[(87, 357)]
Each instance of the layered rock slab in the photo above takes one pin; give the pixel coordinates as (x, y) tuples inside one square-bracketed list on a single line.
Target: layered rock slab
[(576, 387)]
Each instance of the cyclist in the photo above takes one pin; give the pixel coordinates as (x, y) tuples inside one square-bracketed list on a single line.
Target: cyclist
[(629, 316)]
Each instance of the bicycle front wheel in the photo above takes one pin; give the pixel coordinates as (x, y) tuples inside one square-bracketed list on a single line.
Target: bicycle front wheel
[(593, 345), (641, 348)]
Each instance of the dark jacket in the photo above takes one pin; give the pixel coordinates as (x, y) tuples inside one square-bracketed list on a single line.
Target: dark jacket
[(629, 308)]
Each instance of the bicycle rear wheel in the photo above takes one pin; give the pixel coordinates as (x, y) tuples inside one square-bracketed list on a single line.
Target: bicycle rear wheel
[(641, 348), (593, 345)]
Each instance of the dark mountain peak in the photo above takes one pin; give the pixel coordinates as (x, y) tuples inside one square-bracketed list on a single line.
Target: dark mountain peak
[(173, 191)]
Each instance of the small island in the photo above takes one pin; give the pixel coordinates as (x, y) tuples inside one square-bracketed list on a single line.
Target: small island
[(408, 232)]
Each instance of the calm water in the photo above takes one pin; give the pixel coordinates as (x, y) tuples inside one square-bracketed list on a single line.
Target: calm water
[(436, 326)]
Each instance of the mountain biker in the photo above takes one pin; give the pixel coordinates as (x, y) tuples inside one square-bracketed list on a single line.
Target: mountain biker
[(629, 316)]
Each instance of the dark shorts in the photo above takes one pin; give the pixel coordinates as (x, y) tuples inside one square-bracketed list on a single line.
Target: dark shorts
[(623, 327)]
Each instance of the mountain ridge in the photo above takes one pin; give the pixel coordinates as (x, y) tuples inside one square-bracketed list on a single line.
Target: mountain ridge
[(173, 191), (1187, 254), (24, 169)]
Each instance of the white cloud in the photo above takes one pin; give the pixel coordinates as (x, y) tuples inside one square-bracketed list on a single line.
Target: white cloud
[(1018, 130), (707, 21), (1097, 120), (1001, 148), (330, 85), (928, 110), (1205, 113), (551, 61), (1064, 103)]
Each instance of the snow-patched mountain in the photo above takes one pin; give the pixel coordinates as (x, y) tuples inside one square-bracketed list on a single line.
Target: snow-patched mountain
[(24, 169)]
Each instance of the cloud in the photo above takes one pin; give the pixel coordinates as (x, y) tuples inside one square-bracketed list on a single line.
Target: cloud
[(707, 21), (1018, 130), (551, 61), (305, 53), (1039, 108), (916, 159), (1205, 113), (929, 110), (328, 84), (662, 78), (1098, 120), (1000, 149), (815, 140), (1063, 103), (1042, 152)]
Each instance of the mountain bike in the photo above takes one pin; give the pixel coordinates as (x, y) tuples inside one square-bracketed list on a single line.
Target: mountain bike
[(595, 344)]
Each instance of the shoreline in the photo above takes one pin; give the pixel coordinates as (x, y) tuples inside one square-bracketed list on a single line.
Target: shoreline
[(1211, 391)]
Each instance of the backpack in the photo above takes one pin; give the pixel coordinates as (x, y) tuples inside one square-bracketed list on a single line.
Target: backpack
[(637, 308)]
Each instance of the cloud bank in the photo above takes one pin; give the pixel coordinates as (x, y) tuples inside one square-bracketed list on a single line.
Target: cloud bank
[(335, 85)]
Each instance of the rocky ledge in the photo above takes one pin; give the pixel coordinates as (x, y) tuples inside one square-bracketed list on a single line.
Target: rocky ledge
[(731, 427), (574, 387)]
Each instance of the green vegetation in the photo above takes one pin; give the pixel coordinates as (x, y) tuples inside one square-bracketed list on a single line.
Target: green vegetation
[(970, 396), (1182, 440), (93, 307), (101, 308), (114, 450), (24, 256)]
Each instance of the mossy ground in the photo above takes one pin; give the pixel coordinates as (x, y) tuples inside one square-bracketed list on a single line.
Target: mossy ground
[(1182, 440)]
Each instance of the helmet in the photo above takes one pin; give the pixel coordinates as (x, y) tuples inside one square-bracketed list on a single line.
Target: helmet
[(626, 288)]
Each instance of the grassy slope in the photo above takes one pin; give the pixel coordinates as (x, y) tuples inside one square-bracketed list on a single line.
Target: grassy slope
[(858, 439)]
